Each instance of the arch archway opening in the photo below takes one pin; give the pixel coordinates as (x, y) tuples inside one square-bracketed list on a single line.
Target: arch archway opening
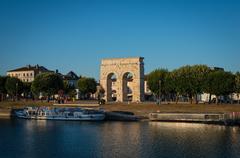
[(127, 88), (111, 87)]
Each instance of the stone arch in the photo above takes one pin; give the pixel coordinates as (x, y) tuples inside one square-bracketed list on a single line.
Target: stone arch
[(122, 67)]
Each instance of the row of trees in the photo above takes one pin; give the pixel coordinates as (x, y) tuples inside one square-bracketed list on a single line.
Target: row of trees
[(187, 81), (46, 84), (190, 81)]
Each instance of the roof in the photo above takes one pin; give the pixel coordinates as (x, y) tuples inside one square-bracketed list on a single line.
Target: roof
[(70, 76), (31, 68)]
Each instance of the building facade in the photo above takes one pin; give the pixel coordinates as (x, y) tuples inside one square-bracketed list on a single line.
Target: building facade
[(27, 73), (71, 78)]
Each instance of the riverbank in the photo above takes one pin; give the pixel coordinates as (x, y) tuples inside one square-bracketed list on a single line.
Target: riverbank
[(144, 109), (139, 109)]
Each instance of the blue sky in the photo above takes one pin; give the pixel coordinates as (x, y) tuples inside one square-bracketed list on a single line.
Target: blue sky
[(76, 35)]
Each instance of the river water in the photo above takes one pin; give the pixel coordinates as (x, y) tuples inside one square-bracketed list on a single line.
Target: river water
[(62, 139)]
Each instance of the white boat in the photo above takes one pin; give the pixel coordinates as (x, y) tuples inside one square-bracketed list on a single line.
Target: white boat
[(73, 114)]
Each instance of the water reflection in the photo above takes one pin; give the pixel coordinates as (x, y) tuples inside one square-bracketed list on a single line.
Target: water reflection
[(201, 139), (33, 139), (121, 138)]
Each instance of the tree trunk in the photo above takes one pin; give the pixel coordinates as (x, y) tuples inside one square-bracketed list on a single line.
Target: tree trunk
[(190, 98), (48, 99), (196, 99), (210, 98), (238, 99), (217, 100), (177, 99)]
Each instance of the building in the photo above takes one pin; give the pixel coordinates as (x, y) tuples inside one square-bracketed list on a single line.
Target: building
[(123, 79), (71, 78), (27, 73)]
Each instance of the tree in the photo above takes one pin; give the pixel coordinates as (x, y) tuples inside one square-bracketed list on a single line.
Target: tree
[(100, 94), (170, 86), (220, 83), (200, 73), (190, 80), (69, 89), (237, 85), (27, 89), (3, 90), (184, 82), (47, 83), (87, 86), (156, 82), (14, 87)]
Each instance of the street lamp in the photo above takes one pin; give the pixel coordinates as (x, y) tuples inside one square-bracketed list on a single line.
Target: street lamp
[(159, 95), (17, 91)]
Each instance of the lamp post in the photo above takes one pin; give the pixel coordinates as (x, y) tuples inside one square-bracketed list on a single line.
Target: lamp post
[(17, 91), (159, 95)]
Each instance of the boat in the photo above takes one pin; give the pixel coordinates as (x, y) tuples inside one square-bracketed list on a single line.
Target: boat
[(71, 114)]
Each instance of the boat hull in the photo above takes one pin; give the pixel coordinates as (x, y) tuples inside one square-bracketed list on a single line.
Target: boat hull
[(91, 118), (83, 117)]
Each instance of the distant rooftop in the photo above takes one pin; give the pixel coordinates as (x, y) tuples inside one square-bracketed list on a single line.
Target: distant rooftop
[(217, 68), (30, 67), (70, 76)]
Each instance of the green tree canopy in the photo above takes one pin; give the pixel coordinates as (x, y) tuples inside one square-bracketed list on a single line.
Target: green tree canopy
[(69, 89), (200, 73), (158, 82), (237, 82), (237, 85), (14, 86), (87, 86), (190, 80), (27, 88), (47, 83), (2, 84), (3, 90), (220, 83), (184, 81)]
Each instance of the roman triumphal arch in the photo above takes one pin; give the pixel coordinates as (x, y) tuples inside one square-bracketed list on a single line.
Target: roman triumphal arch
[(123, 79)]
